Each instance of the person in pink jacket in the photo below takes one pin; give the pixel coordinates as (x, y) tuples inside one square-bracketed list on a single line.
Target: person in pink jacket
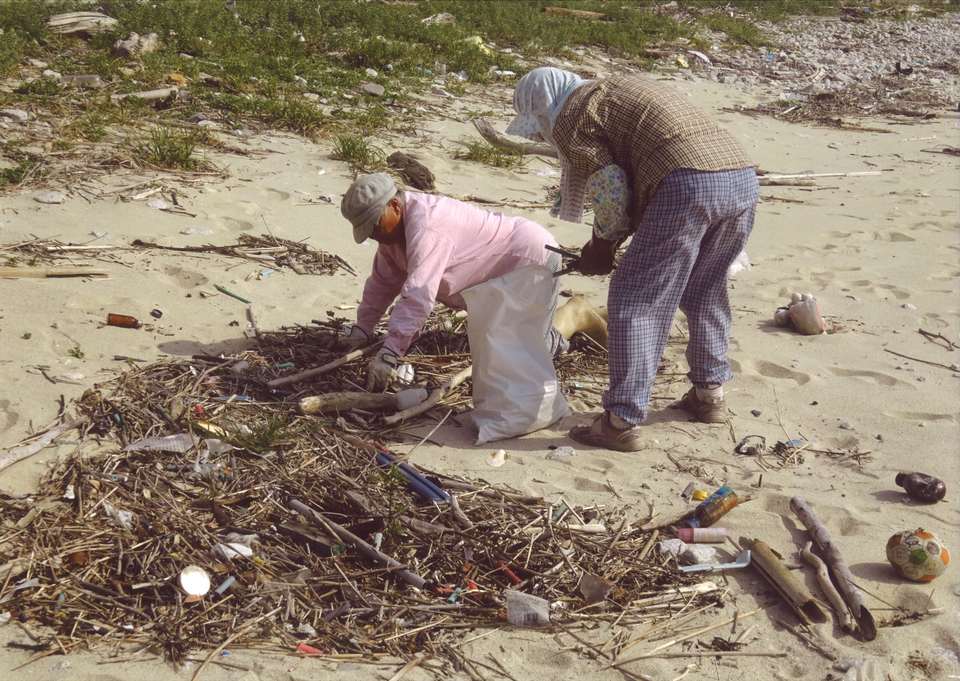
[(430, 249)]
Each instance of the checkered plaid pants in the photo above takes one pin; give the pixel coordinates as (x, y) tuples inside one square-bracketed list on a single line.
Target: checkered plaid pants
[(694, 226)]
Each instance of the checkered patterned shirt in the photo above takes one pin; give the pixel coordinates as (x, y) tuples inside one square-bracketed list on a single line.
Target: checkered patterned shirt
[(641, 126)]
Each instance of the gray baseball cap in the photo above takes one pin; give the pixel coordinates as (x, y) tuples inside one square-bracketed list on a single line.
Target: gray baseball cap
[(364, 202)]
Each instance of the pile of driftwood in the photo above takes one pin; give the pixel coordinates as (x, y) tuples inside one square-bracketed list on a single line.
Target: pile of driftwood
[(308, 534)]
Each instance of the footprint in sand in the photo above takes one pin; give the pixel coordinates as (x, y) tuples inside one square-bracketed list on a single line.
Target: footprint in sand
[(872, 377), (897, 292), (8, 417), (185, 278), (235, 225), (898, 237), (587, 485), (771, 370), (277, 194), (930, 225)]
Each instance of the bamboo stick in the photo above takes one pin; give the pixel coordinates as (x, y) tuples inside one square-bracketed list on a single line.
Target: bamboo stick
[(363, 547), (329, 366)]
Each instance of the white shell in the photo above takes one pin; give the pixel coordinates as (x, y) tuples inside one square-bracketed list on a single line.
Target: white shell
[(194, 580), (497, 458)]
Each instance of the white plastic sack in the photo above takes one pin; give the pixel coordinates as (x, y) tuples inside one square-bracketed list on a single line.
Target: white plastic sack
[(515, 387)]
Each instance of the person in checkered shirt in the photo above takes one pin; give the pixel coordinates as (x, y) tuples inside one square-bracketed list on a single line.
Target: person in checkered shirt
[(658, 169)]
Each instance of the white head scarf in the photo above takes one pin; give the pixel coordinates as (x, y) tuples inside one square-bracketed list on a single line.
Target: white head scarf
[(538, 100)]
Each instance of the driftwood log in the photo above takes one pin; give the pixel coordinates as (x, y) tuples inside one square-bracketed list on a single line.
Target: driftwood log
[(497, 139), (866, 628), (343, 401)]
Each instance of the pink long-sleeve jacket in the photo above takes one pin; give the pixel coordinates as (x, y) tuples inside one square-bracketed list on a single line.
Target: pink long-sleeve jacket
[(450, 246)]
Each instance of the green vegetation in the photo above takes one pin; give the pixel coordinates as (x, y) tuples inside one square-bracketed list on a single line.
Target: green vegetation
[(167, 148), (15, 175), (298, 64), (263, 437), (360, 154), (482, 152)]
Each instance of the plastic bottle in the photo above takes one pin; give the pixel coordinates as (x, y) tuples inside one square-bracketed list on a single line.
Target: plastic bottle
[(713, 508), (702, 535), (922, 487), (123, 320)]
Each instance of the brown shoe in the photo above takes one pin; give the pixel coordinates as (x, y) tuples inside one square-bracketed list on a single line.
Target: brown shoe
[(601, 433), (702, 410)]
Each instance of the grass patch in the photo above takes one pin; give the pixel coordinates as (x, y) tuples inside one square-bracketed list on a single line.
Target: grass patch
[(168, 148), (13, 176), (358, 152), (482, 152), (736, 29), (264, 438)]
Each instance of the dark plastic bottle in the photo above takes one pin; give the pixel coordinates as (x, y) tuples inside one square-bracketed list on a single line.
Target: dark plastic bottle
[(922, 487), (713, 508)]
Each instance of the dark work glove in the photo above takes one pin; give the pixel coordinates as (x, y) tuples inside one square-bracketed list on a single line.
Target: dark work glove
[(596, 256)]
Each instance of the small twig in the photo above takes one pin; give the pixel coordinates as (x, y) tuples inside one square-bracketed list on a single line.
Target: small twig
[(948, 367)]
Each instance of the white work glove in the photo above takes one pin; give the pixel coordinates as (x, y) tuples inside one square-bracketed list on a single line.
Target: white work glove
[(355, 338), (382, 370)]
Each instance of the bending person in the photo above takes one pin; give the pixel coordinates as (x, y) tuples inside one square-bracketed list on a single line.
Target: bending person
[(431, 248), (656, 168)]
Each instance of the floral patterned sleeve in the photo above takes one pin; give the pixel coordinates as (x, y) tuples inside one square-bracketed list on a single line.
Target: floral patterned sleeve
[(607, 190)]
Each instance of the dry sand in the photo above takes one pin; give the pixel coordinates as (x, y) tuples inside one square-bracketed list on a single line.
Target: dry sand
[(880, 252)]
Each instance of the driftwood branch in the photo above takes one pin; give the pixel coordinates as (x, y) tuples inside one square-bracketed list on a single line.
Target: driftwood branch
[(329, 366), (829, 590), (497, 139), (435, 396), (866, 627)]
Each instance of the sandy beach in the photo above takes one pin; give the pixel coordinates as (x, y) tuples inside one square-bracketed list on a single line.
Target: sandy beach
[(880, 252)]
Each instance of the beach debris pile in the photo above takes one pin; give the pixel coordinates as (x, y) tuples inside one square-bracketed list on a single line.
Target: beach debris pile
[(208, 512), (214, 512)]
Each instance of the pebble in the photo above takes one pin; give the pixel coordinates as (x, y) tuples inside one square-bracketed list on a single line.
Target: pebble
[(19, 115), (300, 80), (37, 64), (845, 425), (312, 96), (371, 73), (561, 453), (756, 412), (52, 75), (50, 197), (373, 89), (909, 306)]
